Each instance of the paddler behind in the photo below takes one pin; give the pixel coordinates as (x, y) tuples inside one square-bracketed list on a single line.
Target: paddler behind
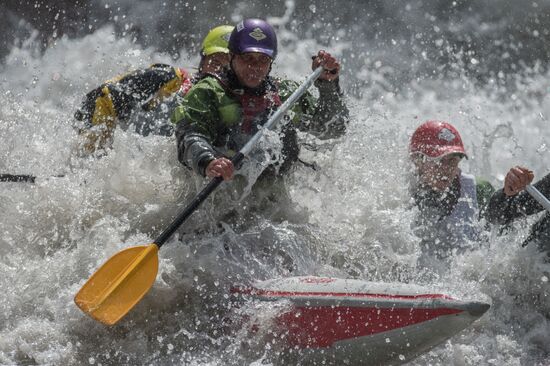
[(145, 90)]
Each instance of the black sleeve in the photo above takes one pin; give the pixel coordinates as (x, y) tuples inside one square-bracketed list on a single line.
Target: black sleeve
[(87, 108), (503, 209), (291, 150), (328, 116), (194, 150), (138, 86), (126, 92)]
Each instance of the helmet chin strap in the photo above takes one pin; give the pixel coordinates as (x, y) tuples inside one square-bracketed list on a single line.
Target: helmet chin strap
[(231, 57), (201, 63)]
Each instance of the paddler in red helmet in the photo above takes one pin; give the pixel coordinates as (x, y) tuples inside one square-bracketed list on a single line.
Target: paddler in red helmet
[(450, 202)]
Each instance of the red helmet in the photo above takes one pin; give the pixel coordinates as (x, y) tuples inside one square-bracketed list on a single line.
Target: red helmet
[(436, 139)]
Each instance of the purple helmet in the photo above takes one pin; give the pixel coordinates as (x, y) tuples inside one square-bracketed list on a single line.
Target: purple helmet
[(253, 35)]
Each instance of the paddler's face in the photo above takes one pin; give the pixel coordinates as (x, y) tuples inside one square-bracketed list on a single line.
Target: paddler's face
[(215, 62), (437, 173), (251, 68)]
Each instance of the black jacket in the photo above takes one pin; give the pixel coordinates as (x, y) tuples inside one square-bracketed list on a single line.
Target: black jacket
[(503, 210)]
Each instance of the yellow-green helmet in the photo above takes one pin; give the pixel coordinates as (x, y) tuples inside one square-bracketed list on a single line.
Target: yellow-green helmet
[(216, 40)]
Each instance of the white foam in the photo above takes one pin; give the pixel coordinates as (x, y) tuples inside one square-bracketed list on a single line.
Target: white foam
[(57, 232)]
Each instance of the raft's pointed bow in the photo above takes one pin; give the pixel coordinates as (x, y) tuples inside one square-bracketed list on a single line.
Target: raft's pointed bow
[(336, 320)]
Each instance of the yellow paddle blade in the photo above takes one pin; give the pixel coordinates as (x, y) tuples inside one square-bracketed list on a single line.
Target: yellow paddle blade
[(118, 285)]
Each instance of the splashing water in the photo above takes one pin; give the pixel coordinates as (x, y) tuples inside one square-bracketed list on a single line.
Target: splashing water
[(56, 232)]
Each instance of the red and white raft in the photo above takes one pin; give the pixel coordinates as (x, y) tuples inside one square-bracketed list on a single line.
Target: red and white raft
[(344, 321)]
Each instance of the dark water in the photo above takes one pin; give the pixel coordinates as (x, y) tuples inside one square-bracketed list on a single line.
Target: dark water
[(409, 39)]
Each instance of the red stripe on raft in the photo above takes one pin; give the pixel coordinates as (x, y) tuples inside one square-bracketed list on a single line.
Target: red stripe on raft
[(320, 327), (269, 293)]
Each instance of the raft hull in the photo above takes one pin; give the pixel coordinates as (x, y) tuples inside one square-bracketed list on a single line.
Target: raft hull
[(335, 321)]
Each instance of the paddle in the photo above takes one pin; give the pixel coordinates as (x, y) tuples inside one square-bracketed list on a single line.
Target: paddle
[(121, 282), (18, 178), (538, 196), (24, 178)]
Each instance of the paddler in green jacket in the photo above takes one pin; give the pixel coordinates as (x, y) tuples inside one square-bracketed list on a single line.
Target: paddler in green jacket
[(114, 101), (223, 110)]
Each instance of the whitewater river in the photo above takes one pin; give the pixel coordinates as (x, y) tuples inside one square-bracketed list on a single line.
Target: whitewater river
[(353, 220)]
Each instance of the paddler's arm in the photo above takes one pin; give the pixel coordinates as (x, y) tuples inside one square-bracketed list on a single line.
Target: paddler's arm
[(197, 127), (97, 117), (327, 116), (160, 83), (512, 201), (116, 98), (331, 112)]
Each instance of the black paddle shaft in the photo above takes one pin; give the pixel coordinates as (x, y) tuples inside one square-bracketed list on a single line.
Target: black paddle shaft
[(18, 178), (237, 159), (194, 204), (23, 178)]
